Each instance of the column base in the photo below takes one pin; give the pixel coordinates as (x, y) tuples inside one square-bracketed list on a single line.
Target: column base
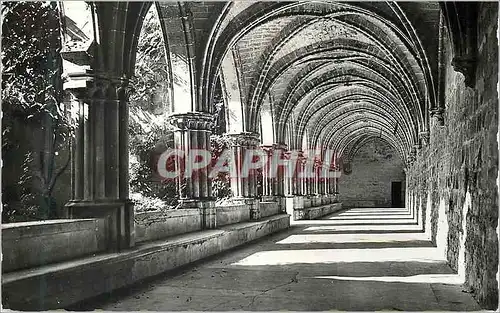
[(254, 208), (307, 201), (295, 206), (324, 199), (329, 198), (268, 198), (316, 200), (253, 203), (209, 212), (118, 216), (281, 203), (298, 214)]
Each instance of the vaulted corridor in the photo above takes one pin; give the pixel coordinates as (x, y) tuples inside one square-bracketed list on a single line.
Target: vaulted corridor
[(354, 260), (257, 154)]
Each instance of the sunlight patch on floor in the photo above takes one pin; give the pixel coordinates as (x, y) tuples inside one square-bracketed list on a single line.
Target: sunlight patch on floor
[(357, 222), (393, 213), (372, 217), (360, 228), (351, 238), (452, 279), (377, 210), (282, 257)]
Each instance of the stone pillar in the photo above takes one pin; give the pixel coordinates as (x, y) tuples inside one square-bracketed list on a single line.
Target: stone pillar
[(100, 180), (308, 182), (327, 184), (281, 181), (324, 185), (330, 190), (288, 177), (244, 188), (291, 184), (296, 183), (192, 131), (326, 180), (268, 180), (336, 185)]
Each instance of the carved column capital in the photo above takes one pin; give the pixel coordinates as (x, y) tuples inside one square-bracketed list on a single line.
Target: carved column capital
[(192, 121), (94, 85), (466, 65), (438, 114), (269, 149), (245, 139), (281, 146), (424, 138), (412, 156), (461, 18)]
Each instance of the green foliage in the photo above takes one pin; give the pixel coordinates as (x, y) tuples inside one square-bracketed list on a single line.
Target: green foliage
[(149, 133), (145, 149), (151, 71), (221, 185), (34, 125)]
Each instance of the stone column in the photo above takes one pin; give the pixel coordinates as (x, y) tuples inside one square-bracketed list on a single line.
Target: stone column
[(326, 180), (192, 131), (288, 178), (268, 180), (244, 188), (281, 180), (288, 185), (100, 180), (336, 185), (318, 184), (330, 184), (324, 185), (303, 186)]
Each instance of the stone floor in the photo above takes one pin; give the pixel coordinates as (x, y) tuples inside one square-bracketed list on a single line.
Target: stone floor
[(358, 259)]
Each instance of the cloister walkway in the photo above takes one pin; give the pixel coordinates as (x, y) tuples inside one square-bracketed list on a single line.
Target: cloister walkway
[(356, 259)]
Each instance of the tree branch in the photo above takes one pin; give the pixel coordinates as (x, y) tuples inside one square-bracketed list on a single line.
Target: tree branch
[(60, 171)]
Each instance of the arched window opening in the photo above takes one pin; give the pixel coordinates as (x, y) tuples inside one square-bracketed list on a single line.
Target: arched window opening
[(149, 133)]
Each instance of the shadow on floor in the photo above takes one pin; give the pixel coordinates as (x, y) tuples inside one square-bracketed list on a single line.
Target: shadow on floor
[(315, 265)]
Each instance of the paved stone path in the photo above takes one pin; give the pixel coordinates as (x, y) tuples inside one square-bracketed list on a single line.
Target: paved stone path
[(356, 260)]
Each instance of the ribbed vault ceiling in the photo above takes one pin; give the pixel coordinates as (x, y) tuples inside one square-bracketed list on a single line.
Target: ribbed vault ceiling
[(338, 74)]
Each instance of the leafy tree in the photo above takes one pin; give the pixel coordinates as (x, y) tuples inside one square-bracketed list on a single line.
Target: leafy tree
[(149, 134), (35, 126), (151, 71), (221, 185)]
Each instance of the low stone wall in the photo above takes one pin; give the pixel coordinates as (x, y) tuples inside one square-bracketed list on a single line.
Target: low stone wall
[(316, 201), (316, 212), (231, 214), (76, 265), (32, 244), (364, 203), (156, 225), (268, 208), (160, 224), (306, 202), (67, 283)]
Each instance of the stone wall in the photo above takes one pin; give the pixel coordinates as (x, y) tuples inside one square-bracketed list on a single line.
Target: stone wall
[(32, 244), (155, 225), (374, 167), (459, 168)]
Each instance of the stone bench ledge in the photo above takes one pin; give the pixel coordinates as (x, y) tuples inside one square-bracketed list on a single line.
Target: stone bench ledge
[(92, 276)]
